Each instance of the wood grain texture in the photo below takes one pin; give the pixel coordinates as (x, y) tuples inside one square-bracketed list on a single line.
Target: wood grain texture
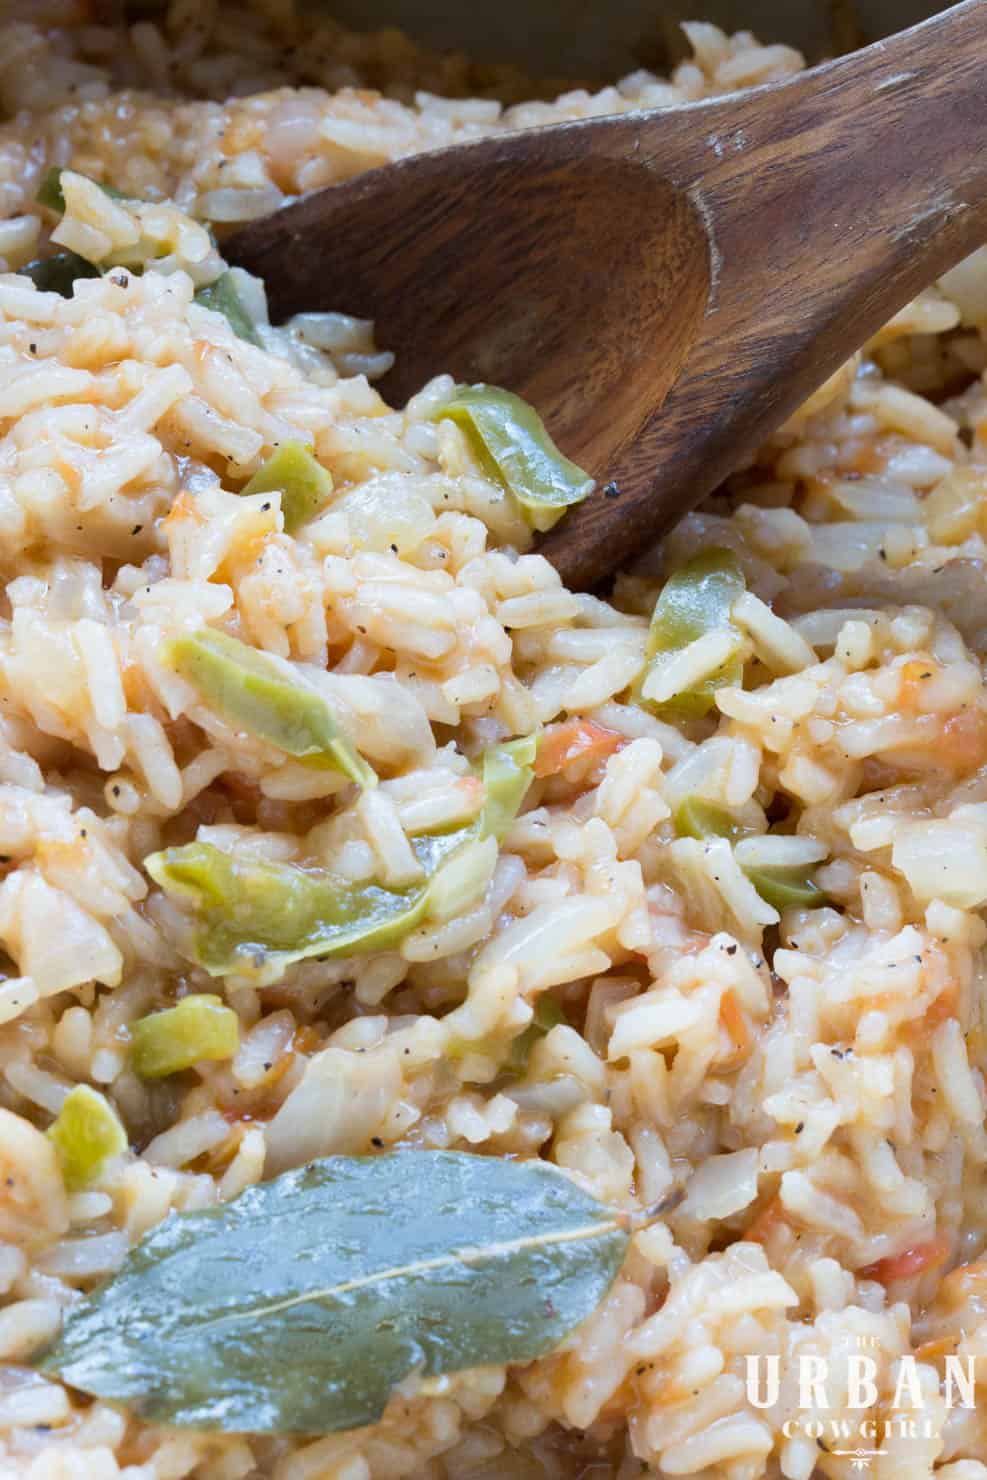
[(666, 286)]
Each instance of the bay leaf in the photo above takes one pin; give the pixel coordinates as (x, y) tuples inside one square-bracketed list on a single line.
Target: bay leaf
[(300, 1305)]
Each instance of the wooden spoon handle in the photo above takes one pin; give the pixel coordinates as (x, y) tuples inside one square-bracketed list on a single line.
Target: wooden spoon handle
[(828, 201)]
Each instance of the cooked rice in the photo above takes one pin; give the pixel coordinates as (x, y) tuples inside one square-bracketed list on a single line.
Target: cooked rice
[(813, 1080)]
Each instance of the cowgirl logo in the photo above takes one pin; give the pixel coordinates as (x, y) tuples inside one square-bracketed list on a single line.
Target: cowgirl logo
[(819, 1397)]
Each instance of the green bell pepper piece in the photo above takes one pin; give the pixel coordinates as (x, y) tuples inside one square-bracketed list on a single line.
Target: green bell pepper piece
[(222, 297), (547, 1015), (257, 918), (254, 691), (516, 450), (200, 1027), (86, 1135), (787, 888), (57, 273), (506, 770), (304, 484), (694, 601), (51, 196), (782, 888), (697, 818)]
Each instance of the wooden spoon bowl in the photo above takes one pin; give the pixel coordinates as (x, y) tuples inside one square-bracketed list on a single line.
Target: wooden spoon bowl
[(666, 287)]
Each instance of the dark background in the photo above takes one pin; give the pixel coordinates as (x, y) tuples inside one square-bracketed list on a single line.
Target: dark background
[(600, 40)]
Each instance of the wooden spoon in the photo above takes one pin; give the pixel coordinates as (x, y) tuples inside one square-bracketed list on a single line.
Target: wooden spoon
[(665, 286)]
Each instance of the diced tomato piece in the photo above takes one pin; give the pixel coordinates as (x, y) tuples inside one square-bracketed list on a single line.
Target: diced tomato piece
[(910, 1262), (911, 677), (767, 1220), (183, 507), (733, 1019), (943, 1007), (575, 739), (962, 744)]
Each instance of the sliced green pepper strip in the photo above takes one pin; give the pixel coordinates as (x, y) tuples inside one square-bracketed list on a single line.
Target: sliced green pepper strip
[(253, 691), (199, 1028), (304, 484), (548, 1014), (782, 888), (507, 772), (51, 196), (787, 888), (222, 297), (50, 192), (514, 446), (56, 274), (697, 818), (694, 601), (86, 1135), (257, 918)]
